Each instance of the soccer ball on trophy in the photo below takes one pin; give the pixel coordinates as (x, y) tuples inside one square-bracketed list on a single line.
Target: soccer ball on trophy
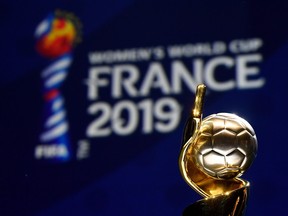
[(215, 152), (225, 147)]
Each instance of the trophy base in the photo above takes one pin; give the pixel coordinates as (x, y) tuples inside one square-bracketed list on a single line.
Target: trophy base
[(232, 204)]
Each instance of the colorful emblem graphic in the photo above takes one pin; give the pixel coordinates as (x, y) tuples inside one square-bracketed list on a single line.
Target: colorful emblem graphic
[(56, 37)]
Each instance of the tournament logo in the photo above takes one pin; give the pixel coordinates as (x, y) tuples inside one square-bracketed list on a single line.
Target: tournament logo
[(56, 37)]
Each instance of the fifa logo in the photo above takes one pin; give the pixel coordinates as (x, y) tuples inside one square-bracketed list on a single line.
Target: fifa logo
[(56, 36)]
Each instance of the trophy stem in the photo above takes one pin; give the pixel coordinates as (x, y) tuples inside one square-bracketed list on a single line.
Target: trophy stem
[(199, 101), (232, 204)]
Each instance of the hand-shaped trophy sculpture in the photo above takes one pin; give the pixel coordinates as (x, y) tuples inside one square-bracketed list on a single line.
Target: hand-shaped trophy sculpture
[(215, 152)]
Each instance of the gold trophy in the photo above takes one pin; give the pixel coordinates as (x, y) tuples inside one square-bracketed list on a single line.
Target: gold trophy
[(216, 151)]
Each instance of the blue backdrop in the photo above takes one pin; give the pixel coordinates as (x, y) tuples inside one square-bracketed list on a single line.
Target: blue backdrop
[(128, 91)]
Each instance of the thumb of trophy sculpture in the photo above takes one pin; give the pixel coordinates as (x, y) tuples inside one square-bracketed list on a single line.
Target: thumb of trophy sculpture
[(215, 152)]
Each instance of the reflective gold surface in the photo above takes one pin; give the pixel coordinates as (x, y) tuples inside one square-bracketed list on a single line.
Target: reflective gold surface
[(215, 152), (199, 101), (232, 204), (225, 146)]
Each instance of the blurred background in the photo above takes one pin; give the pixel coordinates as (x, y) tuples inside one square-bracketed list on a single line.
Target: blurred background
[(95, 95)]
